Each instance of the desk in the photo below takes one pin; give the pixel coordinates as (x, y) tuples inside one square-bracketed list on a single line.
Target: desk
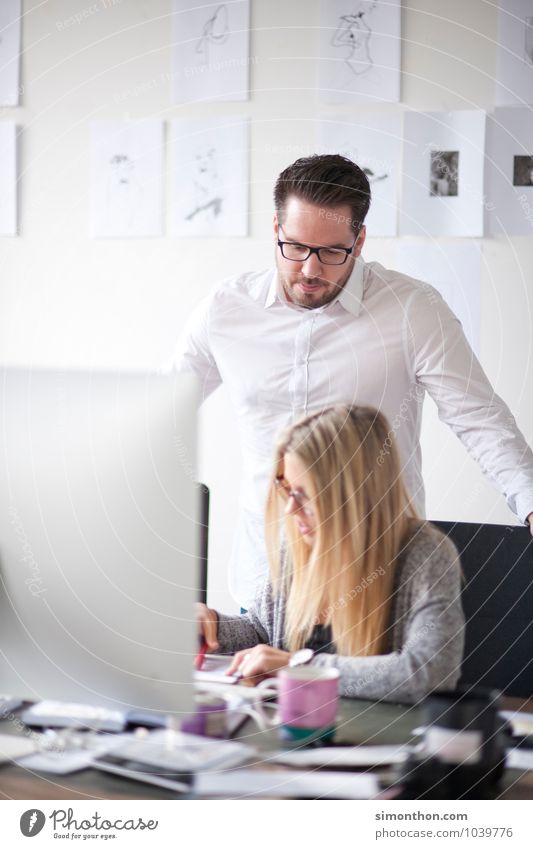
[(360, 722)]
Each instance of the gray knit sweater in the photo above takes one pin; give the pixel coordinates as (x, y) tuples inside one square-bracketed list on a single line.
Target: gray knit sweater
[(425, 636)]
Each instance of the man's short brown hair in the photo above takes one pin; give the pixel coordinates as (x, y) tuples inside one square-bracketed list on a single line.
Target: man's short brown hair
[(326, 180)]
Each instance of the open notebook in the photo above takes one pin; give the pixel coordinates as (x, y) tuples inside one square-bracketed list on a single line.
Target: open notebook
[(214, 669)]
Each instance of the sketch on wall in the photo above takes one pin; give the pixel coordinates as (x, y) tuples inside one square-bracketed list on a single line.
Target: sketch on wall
[(210, 177), (211, 50), (509, 178), (443, 165), (126, 179), (522, 170), (444, 173), (373, 140), (514, 75), (215, 33), (454, 270), (208, 196), (8, 178), (10, 13), (354, 37), (360, 50)]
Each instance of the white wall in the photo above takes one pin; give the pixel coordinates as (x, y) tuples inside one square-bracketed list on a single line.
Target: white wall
[(67, 300)]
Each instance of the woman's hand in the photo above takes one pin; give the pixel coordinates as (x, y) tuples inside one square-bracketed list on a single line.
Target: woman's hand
[(258, 662), (207, 621)]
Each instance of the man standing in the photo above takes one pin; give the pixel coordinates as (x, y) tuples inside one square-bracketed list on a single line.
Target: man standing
[(325, 327)]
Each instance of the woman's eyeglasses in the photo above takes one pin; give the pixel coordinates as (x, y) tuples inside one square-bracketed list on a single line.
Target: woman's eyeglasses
[(302, 500)]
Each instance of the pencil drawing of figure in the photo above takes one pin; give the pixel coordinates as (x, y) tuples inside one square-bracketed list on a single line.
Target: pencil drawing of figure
[(208, 200), (444, 173), (523, 171), (124, 194), (375, 172), (355, 35), (214, 31)]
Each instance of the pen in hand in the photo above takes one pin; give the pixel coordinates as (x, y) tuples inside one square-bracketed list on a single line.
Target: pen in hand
[(207, 623), (202, 651)]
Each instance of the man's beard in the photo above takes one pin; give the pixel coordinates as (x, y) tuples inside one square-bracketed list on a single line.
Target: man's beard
[(325, 292)]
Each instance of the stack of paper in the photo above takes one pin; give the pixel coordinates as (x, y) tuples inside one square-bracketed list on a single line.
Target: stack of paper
[(284, 784), (342, 757), (171, 758), (13, 746)]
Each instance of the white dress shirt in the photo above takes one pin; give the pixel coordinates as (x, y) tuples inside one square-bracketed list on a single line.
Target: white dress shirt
[(384, 341)]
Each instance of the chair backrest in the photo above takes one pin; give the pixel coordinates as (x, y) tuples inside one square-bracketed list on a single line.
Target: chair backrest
[(204, 541), (497, 597)]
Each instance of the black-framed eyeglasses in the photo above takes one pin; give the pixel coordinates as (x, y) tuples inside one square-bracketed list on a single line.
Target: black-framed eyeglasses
[(295, 252), (302, 500)]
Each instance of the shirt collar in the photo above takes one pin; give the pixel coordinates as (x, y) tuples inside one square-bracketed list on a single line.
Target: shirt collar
[(272, 294), (350, 298)]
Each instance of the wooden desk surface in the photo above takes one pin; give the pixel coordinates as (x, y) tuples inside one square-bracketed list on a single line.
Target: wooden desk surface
[(360, 722)]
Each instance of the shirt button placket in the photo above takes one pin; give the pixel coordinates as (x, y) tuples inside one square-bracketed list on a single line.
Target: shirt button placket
[(300, 372)]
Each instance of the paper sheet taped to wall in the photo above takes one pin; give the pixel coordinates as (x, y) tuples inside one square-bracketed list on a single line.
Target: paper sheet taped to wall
[(10, 89), (126, 179), (8, 178), (211, 50), (210, 177)]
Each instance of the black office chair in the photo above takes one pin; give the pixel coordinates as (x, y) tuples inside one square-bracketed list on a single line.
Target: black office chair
[(497, 597), (204, 542)]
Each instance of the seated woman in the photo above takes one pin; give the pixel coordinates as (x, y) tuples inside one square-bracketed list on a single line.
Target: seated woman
[(365, 585)]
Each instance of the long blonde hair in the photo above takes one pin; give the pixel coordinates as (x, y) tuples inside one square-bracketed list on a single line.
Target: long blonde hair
[(363, 518)]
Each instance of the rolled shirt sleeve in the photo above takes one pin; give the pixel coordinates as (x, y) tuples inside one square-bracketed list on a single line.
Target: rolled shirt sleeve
[(450, 372), (193, 350)]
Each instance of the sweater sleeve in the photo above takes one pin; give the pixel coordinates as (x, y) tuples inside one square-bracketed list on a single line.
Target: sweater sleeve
[(431, 650), (256, 626)]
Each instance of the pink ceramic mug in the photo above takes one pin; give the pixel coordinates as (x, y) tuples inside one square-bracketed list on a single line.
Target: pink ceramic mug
[(307, 702)]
